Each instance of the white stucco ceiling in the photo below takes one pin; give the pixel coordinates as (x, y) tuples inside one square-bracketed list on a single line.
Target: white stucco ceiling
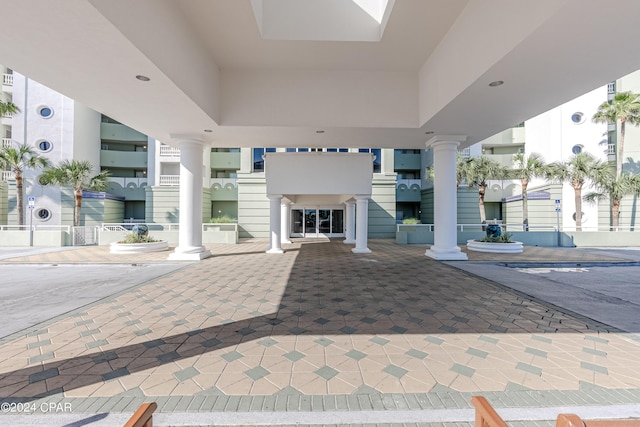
[(211, 69)]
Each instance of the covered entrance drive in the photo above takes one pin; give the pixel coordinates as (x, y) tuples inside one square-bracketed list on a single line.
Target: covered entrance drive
[(316, 222), (318, 194)]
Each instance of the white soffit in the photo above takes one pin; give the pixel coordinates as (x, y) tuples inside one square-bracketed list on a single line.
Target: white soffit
[(322, 20)]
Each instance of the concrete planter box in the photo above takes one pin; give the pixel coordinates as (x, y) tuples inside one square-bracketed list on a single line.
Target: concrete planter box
[(499, 248), (138, 248)]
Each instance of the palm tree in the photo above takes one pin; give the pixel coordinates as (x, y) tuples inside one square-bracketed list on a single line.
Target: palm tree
[(625, 106), (77, 174), (615, 188), (18, 159), (8, 107), (478, 171), (578, 170), (526, 169), (462, 166)]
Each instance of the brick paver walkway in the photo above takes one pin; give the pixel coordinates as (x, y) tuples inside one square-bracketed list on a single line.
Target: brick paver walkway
[(317, 328)]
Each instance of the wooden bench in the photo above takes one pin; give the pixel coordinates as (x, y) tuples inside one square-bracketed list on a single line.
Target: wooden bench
[(143, 417), (486, 416)]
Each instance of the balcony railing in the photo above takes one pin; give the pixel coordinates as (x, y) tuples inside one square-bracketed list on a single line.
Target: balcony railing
[(170, 180), (169, 151), (7, 79), (611, 149), (7, 175), (127, 182), (408, 183), (6, 142), (223, 182)]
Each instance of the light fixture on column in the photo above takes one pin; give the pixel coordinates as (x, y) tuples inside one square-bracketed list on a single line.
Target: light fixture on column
[(496, 83), (208, 130), (319, 131), (142, 78), (429, 132)]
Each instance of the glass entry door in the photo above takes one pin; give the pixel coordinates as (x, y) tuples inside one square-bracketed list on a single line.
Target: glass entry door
[(314, 222)]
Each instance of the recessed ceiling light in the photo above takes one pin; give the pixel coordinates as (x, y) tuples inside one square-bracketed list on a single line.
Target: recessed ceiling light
[(429, 132), (142, 78), (208, 130), (319, 131), (496, 83)]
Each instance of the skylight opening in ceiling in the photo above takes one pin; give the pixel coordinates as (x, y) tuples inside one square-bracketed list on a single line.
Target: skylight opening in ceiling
[(322, 20)]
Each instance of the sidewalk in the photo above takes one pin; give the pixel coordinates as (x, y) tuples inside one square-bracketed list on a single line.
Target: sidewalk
[(317, 334)]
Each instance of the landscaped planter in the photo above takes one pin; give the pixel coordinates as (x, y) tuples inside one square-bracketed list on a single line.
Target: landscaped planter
[(138, 248), (500, 248)]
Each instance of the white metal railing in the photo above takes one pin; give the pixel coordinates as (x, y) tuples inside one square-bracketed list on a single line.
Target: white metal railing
[(7, 175), (409, 182), (7, 227), (127, 226), (169, 151), (170, 180), (7, 79), (223, 182), (8, 115), (611, 88), (123, 181), (519, 227), (611, 148), (7, 142), (465, 152)]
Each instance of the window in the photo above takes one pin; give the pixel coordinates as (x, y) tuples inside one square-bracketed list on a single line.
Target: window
[(258, 161), (576, 149), (45, 112), (45, 145), (577, 118), (43, 214)]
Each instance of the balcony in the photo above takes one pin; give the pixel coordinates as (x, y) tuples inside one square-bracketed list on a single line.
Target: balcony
[(6, 175), (123, 159), (7, 119), (408, 161), (506, 137), (170, 180), (505, 160), (7, 83), (408, 190), (226, 161), (120, 132), (129, 188), (611, 152), (224, 189), (169, 151), (6, 142)]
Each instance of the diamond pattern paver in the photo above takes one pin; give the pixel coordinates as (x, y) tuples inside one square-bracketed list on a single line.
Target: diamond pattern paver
[(403, 332)]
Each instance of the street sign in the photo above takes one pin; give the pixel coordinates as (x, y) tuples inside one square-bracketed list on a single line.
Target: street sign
[(32, 201)]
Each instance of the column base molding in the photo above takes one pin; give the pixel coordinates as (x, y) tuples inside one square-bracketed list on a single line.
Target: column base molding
[(361, 250), (190, 255), (446, 254), (275, 251)]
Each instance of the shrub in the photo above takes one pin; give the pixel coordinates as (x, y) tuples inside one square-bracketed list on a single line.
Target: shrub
[(503, 238), (134, 237), (223, 219), (411, 221)]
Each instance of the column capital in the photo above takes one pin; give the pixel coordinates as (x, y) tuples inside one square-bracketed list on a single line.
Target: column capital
[(438, 140), (362, 197), (274, 196), (184, 139)]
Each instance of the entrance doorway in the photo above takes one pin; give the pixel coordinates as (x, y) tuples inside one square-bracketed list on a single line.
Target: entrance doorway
[(317, 222)]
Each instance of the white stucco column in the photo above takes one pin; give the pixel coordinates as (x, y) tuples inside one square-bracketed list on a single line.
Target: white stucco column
[(275, 202), (284, 222), (362, 225), (350, 222), (445, 239), (190, 232)]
